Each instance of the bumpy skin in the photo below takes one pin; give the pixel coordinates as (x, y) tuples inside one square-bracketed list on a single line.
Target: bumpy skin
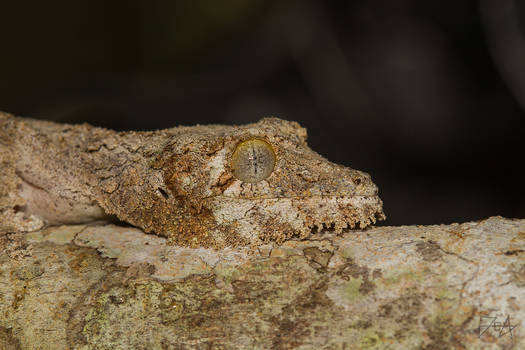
[(176, 182)]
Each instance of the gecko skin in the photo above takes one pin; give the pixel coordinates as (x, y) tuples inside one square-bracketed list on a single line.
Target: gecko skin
[(200, 186)]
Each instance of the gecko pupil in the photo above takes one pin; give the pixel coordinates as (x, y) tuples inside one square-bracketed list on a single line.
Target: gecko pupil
[(253, 160), (254, 156)]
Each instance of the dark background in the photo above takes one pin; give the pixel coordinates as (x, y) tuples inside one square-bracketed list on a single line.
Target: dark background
[(427, 96)]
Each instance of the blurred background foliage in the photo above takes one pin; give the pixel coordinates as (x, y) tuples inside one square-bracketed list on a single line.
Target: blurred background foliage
[(427, 96)]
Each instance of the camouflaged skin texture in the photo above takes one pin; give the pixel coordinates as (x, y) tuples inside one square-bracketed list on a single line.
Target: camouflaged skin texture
[(176, 182)]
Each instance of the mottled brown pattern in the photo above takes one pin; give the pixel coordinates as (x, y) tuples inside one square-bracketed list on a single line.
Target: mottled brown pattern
[(177, 182)]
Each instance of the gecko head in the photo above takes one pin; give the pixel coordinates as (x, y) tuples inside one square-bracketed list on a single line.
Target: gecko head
[(261, 182)]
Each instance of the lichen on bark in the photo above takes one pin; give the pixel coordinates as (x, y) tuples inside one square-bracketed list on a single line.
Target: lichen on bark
[(410, 287)]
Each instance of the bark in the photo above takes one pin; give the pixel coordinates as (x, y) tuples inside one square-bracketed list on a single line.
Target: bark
[(458, 286)]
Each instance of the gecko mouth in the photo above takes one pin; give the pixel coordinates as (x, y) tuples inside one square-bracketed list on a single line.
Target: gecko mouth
[(338, 213), (338, 226), (279, 219)]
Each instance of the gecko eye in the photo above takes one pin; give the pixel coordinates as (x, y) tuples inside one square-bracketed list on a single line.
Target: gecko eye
[(253, 160)]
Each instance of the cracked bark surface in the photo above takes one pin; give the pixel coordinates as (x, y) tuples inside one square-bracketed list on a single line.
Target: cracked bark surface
[(410, 287)]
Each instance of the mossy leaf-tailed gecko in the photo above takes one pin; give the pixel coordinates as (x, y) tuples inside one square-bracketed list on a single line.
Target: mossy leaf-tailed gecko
[(200, 186)]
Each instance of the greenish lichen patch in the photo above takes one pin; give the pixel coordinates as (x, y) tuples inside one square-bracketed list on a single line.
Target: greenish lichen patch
[(226, 271), (351, 289), (404, 277), (58, 235), (371, 340)]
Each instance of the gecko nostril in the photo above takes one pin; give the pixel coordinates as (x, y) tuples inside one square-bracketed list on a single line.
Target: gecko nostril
[(163, 193)]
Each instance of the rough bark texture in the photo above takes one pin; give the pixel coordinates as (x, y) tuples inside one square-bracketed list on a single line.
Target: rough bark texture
[(411, 287)]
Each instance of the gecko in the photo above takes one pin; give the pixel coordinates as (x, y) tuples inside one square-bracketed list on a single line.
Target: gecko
[(200, 186)]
